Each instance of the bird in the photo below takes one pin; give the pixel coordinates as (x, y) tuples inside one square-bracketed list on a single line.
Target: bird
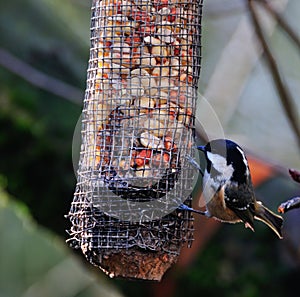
[(228, 190)]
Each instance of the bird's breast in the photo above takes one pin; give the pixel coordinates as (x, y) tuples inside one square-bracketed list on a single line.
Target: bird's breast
[(218, 209)]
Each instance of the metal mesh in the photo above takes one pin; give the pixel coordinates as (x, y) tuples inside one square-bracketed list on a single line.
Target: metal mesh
[(138, 126)]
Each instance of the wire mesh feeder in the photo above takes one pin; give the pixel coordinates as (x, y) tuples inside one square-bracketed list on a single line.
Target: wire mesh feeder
[(137, 128)]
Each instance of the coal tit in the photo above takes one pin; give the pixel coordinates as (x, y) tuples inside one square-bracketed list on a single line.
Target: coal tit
[(227, 188)]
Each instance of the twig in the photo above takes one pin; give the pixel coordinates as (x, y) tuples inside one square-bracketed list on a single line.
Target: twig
[(295, 175), (294, 202), (284, 94), (39, 79), (290, 204), (281, 21)]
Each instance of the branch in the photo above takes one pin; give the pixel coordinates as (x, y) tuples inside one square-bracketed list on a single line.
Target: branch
[(294, 202), (284, 94), (295, 175), (39, 79), (281, 21)]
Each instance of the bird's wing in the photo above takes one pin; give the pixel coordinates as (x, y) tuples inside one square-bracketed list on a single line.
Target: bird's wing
[(241, 201)]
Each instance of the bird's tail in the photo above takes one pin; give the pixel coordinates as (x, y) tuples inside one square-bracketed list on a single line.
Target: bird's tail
[(271, 219)]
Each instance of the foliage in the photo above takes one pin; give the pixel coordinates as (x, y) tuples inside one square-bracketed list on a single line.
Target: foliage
[(34, 261)]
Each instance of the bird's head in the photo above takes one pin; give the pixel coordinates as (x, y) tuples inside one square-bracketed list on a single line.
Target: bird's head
[(225, 157)]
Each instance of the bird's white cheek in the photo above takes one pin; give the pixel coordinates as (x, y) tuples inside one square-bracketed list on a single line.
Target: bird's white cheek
[(220, 164)]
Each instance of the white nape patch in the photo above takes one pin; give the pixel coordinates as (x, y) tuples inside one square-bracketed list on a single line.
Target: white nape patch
[(244, 159), (220, 164)]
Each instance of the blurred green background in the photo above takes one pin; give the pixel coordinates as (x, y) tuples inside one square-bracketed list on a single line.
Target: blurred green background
[(44, 51)]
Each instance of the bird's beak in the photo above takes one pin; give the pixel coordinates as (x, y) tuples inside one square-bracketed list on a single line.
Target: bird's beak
[(201, 148)]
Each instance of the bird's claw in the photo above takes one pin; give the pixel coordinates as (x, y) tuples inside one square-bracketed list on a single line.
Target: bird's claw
[(187, 208)]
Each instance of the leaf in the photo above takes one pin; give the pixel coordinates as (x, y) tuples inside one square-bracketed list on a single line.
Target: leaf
[(35, 262)]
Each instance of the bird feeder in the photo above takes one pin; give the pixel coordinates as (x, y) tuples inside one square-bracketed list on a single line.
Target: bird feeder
[(137, 129)]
